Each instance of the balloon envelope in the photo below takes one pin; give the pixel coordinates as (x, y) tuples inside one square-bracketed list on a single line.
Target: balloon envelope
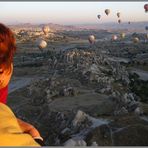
[(122, 35), (91, 39), (118, 14), (46, 29), (99, 16), (114, 37), (119, 21), (146, 7), (107, 11), (42, 44), (135, 40), (146, 27)]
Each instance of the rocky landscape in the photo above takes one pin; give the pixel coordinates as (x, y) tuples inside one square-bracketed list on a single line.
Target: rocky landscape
[(81, 94)]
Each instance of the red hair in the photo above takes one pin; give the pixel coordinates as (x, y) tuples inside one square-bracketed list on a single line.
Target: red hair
[(7, 46)]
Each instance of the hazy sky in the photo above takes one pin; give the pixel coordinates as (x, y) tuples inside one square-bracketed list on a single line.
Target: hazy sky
[(70, 12)]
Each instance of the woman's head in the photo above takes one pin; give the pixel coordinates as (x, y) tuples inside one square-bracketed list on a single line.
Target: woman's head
[(7, 45)]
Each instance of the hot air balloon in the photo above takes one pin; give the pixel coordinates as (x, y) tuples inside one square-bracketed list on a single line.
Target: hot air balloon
[(119, 21), (91, 39), (107, 11), (46, 29), (146, 35), (114, 37), (122, 35), (135, 40), (99, 16), (146, 27), (118, 14), (146, 7), (42, 44)]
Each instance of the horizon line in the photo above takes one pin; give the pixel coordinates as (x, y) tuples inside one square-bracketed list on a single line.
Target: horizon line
[(43, 23)]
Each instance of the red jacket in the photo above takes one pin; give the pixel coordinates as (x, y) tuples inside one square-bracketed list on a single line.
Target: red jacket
[(4, 94), (4, 81)]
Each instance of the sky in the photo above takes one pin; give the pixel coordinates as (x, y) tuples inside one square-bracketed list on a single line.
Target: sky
[(70, 13)]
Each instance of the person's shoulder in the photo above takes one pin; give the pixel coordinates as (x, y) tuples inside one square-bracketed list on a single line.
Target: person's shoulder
[(4, 108)]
